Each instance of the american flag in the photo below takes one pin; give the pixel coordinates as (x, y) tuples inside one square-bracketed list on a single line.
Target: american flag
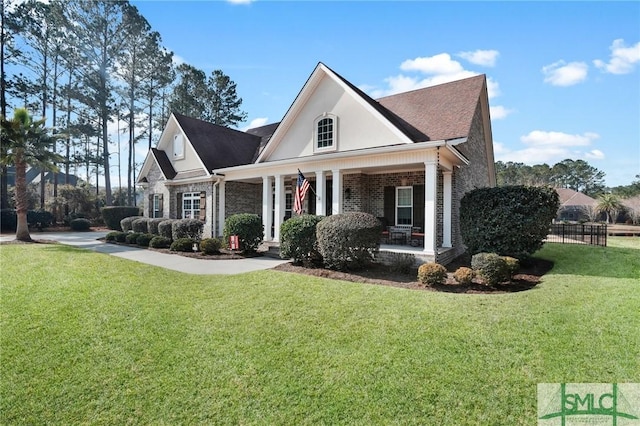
[(301, 191)]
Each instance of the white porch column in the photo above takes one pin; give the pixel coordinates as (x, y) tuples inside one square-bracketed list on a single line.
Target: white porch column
[(430, 206), (221, 208), (214, 190), (336, 206), (446, 209), (267, 207), (321, 193), (279, 207)]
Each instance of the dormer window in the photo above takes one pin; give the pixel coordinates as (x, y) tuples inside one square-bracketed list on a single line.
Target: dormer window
[(178, 147), (325, 134)]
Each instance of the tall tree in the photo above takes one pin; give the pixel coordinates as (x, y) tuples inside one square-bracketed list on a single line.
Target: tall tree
[(190, 93), (610, 205), (223, 106), (28, 142), (99, 30)]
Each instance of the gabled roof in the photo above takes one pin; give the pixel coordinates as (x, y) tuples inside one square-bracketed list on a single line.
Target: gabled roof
[(569, 197), (441, 112), (163, 162), (218, 146), (264, 132)]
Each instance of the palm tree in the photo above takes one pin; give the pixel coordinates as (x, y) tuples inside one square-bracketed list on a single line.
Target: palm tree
[(25, 141), (609, 204)]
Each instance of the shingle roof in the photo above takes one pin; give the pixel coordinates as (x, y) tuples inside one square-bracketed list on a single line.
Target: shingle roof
[(264, 132), (218, 146), (439, 112), (164, 163), (569, 197)]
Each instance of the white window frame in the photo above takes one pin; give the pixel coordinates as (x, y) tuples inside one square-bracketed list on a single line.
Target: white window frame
[(398, 206), (178, 146), (334, 133), (191, 212), (156, 206)]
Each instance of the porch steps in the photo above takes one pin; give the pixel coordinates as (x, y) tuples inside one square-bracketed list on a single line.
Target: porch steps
[(271, 250)]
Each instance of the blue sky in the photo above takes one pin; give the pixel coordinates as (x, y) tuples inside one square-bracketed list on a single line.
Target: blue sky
[(564, 78)]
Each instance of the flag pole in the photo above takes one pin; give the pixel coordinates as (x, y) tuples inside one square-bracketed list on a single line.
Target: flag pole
[(310, 187)]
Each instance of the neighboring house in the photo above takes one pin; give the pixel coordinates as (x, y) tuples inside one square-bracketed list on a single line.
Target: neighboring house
[(33, 176), (407, 159), (576, 206)]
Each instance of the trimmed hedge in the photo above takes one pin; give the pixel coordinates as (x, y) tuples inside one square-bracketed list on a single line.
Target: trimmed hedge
[(432, 273), (248, 228), (165, 229), (210, 245), (349, 240), (115, 236), (160, 242), (140, 225), (80, 224), (126, 224), (35, 218), (143, 240), (183, 245), (490, 267), (187, 228), (508, 220), (112, 215), (152, 225), (132, 238), (298, 239)]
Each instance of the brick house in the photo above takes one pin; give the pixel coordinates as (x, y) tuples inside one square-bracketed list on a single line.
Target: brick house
[(407, 159)]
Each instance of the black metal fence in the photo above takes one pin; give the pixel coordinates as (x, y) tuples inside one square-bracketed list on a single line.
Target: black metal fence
[(570, 233)]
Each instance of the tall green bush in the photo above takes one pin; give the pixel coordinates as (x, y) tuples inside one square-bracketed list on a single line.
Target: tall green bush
[(349, 240), (126, 224), (152, 225), (165, 229), (508, 220), (140, 225), (112, 215), (187, 228), (249, 229), (298, 239)]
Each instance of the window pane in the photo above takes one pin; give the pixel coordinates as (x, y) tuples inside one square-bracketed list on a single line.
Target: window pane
[(404, 197), (404, 215)]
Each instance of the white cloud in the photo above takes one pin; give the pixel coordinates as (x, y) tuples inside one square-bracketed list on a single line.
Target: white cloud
[(437, 64), (256, 122), (623, 58), (240, 1), (549, 147), (486, 58), (498, 112), (178, 60), (565, 74)]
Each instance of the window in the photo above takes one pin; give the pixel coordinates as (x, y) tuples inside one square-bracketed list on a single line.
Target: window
[(157, 206), (191, 205), (325, 133), (178, 147), (404, 205)]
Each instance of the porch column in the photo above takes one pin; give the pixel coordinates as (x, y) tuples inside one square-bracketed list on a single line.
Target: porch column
[(430, 206), (214, 207), (336, 206), (221, 208), (446, 209), (321, 193), (279, 207), (267, 207)]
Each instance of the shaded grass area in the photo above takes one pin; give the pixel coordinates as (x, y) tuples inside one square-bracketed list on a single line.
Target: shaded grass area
[(89, 338)]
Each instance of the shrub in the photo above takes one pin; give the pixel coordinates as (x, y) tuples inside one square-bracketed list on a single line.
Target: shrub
[(73, 215), (348, 240), (463, 275), (187, 228), (113, 236), (210, 245), (298, 239), (144, 240), (507, 220), (126, 224), (112, 215), (8, 219), (121, 237), (140, 225), (432, 273), (248, 228), (40, 218), (152, 225), (403, 263), (80, 224), (512, 264), (132, 237), (160, 242), (490, 267), (165, 228), (182, 244)]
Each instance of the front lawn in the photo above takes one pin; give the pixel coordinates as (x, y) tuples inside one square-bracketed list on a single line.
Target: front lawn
[(90, 338)]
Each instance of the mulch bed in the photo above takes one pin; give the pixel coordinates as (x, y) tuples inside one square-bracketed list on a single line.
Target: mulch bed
[(527, 277)]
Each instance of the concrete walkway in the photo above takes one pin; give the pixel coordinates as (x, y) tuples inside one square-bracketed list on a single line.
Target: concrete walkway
[(175, 262)]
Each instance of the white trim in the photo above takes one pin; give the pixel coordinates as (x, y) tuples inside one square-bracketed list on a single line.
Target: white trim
[(177, 137), (430, 206), (267, 207), (336, 198), (446, 208), (398, 206), (321, 193), (334, 133)]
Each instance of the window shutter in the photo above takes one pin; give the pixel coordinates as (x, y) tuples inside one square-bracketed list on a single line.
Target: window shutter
[(203, 205), (179, 205), (160, 206), (418, 206), (390, 204), (150, 205)]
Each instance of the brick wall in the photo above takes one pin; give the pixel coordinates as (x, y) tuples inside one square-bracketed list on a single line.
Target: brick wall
[(243, 197)]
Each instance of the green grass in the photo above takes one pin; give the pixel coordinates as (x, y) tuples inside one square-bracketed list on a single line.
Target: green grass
[(93, 339)]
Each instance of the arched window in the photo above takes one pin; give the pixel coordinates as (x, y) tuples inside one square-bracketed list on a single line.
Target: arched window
[(326, 133)]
